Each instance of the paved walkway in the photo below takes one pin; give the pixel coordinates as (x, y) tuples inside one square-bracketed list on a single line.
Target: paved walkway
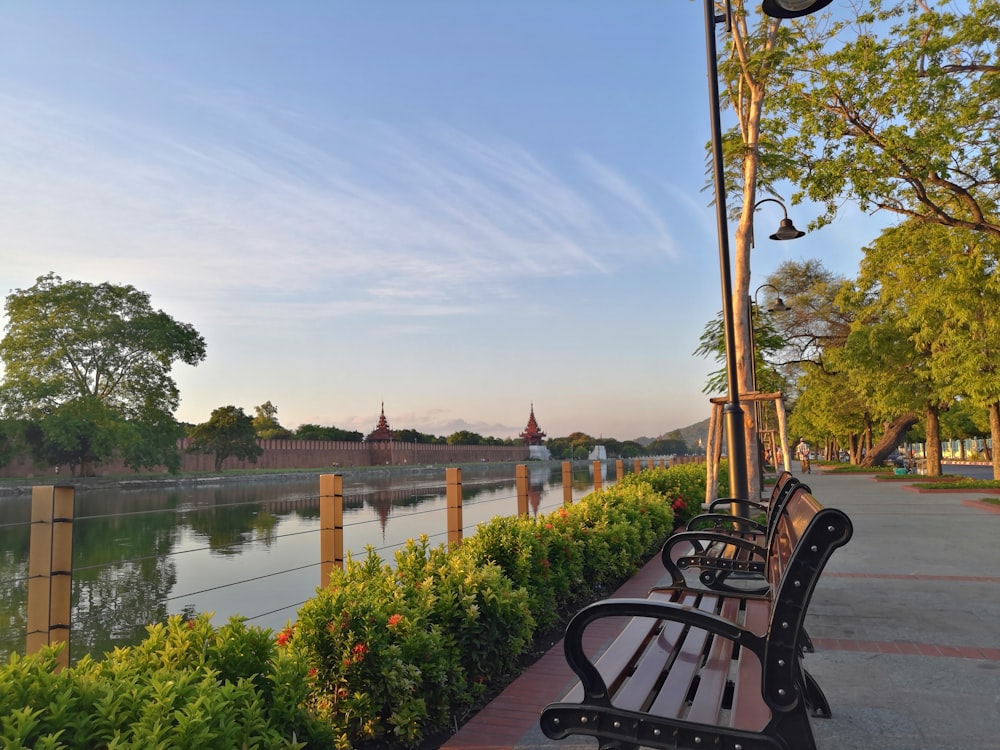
[(906, 622)]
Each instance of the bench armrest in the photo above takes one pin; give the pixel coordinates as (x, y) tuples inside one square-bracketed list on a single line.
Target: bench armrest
[(700, 540), (591, 680), (726, 501), (752, 527)]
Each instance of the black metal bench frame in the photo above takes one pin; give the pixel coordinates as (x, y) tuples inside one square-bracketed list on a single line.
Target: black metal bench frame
[(728, 547), (706, 669)]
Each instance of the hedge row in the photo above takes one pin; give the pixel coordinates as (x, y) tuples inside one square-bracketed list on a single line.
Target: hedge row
[(386, 652)]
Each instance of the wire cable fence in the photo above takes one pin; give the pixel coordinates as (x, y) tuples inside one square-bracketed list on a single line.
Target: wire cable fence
[(248, 555)]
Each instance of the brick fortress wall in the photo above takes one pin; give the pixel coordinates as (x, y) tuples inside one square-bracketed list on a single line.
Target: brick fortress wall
[(310, 454)]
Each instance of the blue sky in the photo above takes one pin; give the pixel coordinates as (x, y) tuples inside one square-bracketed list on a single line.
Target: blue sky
[(456, 207)]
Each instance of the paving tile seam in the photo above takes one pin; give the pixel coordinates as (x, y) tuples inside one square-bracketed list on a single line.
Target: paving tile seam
[(906, 648)]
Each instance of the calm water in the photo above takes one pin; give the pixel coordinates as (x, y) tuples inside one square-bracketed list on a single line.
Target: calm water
[(238, 548)]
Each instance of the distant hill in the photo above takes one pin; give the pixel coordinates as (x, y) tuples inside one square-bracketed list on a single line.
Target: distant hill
[(690, 435)]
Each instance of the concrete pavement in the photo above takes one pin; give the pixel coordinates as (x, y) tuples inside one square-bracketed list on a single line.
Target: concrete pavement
[(906, 622)]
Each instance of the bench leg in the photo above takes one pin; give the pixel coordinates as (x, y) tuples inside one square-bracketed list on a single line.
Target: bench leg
[(814, 697)]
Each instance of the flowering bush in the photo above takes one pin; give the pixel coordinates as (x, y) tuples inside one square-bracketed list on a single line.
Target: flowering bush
[(187, 684), (384, 652), (575, 550), (683, 484), (397, 651)]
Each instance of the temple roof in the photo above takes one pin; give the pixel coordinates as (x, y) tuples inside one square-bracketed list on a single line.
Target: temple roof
[(532, 434), (381, 431)]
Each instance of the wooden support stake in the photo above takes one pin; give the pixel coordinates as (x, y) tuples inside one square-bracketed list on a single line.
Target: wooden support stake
[(649, 463), (453, 482), (598, 479), (619, 470), (331, 525), (567, 482), (663, 463), (786, 456), (521, 475), (50, 569), (637, 465)]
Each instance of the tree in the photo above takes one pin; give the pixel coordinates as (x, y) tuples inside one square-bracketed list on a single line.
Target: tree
[(465, 437), (266, 422), (73, 348), (315, 432), (228, 432), (896, 108)]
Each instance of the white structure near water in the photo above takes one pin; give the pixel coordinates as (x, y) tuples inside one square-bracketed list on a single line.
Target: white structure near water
[(598, 454)]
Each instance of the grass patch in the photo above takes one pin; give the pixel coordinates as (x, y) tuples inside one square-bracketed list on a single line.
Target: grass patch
[(991, 500), (968, 484)]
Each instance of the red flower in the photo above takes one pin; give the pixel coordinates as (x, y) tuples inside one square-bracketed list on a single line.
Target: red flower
[(312, 672), (394, 620), (283, 636)]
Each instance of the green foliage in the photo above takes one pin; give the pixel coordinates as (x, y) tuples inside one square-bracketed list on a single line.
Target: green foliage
[(90, 366), (315, 432), (559, 557), (265, 422), (187, 685), (228, 432), (683, 485), (894, 106), (387, 653), (398, 651), (465, 437), (576, 445)]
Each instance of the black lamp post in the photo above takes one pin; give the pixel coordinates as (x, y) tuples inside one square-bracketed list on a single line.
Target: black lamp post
[(735, 442)]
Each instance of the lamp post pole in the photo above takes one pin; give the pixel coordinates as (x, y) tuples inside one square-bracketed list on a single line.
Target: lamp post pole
[(733, 412), (735, 427)]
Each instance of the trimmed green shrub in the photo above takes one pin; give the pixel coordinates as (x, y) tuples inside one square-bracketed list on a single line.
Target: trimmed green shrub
[(683, 485), (388, 653), (187, 685)]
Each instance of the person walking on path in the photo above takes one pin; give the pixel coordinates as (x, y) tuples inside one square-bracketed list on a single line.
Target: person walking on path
[(802, 451)]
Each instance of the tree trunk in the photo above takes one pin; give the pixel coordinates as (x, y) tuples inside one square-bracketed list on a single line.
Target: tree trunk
[(890, 440), (933, 446), (995, 436)]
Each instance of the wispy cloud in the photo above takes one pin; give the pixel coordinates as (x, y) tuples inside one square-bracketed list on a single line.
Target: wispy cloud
[(276, 206)]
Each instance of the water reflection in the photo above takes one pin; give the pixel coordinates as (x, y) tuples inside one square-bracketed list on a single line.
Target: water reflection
[(249, 548)]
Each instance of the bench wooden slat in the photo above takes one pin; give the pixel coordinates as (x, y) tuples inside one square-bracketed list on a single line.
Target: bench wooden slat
[(707, 702), (675, 689), (749, 710)]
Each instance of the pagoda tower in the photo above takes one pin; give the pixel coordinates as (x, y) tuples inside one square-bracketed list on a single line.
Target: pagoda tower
[(532, 435), (381, 433)]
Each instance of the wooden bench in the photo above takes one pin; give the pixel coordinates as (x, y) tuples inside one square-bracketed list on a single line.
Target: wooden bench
[(727, 547), (706, 669)]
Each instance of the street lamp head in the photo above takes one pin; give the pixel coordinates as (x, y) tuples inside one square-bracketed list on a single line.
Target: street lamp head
[(778, 306), (787, 231), (792, 8)]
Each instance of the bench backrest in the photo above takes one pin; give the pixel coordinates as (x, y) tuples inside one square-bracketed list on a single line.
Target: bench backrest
[(805, 536), (783, 491)]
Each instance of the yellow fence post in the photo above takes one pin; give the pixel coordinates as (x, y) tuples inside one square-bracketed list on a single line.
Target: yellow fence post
[(453, 481), (50, 569), (619, 470), (567, 482), (331, 525), (598, 480), (521, 475)]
